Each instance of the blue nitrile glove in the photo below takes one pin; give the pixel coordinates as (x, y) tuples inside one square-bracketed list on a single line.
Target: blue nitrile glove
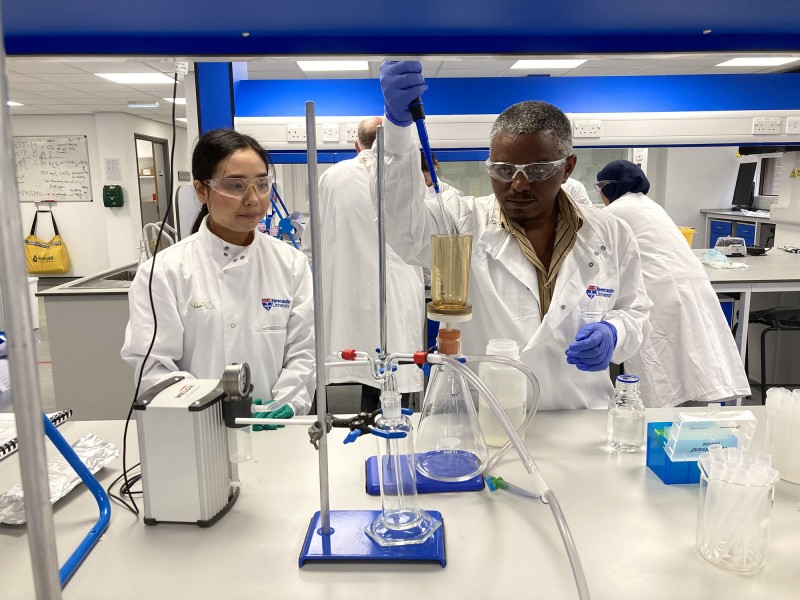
[(284, 412), (401, 82), (594, 344)]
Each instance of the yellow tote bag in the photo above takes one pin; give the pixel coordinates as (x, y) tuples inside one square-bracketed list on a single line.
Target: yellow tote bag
[(46, 258)]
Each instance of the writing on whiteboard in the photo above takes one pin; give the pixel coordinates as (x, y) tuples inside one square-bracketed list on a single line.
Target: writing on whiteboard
[(53, 168)]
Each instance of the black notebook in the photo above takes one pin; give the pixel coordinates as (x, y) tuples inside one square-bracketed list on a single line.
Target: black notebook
[(8, 430)]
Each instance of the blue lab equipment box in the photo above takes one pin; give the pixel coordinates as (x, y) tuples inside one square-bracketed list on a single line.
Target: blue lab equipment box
[(659, 463)]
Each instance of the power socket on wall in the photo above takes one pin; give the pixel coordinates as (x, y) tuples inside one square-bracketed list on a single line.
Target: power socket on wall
[(295, 133), (766, 125), (793, 125), (587, 129)]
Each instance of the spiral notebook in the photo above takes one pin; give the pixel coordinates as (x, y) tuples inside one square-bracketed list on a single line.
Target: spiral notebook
[(8, 430)]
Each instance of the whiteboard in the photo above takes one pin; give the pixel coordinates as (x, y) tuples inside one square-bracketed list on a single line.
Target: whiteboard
[(53, 168)]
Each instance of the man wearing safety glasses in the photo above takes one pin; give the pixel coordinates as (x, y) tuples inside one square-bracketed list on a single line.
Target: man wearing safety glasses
[(563, 281)]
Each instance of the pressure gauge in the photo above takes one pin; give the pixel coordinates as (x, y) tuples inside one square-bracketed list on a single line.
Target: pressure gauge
[(236, 379)]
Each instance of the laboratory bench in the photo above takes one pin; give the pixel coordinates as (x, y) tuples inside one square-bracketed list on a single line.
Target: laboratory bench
[(635, 535), (756, 231), (86, 320), (775, 271)]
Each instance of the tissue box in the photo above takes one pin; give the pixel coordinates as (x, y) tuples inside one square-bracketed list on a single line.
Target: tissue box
[(659, 463)]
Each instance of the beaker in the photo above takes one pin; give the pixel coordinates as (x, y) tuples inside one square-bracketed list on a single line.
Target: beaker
[(450, 444), (733, 523), (401, 521), (450, 266)]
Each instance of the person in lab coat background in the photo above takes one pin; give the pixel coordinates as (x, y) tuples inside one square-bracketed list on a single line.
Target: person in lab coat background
[(350, 277), (690, 355), (228, 293), (562, 281), (577, 192)]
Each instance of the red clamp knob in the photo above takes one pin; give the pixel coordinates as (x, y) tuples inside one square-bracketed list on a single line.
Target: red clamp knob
[(349, 354), (420, 357)]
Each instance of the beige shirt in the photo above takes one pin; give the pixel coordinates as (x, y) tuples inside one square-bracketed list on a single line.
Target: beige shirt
[(567, 226)]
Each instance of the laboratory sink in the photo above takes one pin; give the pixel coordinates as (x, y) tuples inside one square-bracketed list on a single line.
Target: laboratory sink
[(119, 278), (126, 275)]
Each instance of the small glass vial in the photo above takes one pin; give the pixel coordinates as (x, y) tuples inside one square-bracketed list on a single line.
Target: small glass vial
[(626, 415), (509, 386)]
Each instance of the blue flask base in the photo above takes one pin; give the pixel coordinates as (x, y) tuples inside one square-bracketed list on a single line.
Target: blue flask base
[(448, 465), (349, 542)]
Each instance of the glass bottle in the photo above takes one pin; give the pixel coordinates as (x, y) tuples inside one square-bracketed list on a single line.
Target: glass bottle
[(626, 415), (509, 386), (401, 521), (450, 444)]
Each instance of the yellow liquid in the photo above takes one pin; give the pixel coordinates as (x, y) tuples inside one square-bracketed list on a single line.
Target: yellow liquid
[(450, 258)]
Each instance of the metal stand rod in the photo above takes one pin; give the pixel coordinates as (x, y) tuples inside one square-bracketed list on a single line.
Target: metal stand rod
[(319, 332), (25, 380)]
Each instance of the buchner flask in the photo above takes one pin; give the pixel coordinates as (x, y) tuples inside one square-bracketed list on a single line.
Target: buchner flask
[(450, 445)]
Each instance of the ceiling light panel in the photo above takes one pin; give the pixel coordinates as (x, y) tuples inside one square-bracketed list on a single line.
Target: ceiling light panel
[(177, 100), (136, 78), (333, 65), (548, 63), (758, 61)]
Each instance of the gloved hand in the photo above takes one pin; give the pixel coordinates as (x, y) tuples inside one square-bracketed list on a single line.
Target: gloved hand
[(593, 346), (284, 412), (401, 82)]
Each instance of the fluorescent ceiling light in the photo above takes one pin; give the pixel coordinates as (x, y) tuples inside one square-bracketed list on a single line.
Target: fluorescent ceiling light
[(758, 61), (12, 103), (333, 65), (144, 104), (135, 78), (177, 100), (181, 119), (567, 63)]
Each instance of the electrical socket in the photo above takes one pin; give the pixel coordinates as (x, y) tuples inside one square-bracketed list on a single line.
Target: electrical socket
[(330, 132), (766, 125), (295, 133), (351, 132), (793, 125), (587, 129)]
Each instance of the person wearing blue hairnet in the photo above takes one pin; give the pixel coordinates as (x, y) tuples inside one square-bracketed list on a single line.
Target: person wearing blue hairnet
[(690, 354), (561, 280)]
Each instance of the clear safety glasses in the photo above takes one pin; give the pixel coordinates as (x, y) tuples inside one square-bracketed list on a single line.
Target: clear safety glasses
[(237, 187), (601, 184), (535, 171)]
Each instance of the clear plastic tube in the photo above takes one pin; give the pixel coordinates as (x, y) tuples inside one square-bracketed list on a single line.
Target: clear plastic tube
[(547, 494)]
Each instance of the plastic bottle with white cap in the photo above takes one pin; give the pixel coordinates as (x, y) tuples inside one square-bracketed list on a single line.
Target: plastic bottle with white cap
[(509, 385)]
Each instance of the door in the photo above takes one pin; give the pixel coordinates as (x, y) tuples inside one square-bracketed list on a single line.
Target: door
[(152, 163)]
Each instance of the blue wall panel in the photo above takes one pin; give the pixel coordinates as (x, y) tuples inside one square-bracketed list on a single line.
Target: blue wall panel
[(664, 93)]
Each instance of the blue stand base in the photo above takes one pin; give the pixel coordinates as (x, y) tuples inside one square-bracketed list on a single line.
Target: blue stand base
[(348, 542)]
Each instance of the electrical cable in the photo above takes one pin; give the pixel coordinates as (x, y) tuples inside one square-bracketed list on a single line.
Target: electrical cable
[(125, 489)]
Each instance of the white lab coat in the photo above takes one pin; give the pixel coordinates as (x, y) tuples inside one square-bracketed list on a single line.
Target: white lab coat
[(254, 305), (577, 191), (691, 353), (350, 278), (503, 286)]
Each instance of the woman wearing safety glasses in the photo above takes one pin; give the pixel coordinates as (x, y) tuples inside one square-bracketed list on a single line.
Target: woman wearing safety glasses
[(227, 293), (563, 281)]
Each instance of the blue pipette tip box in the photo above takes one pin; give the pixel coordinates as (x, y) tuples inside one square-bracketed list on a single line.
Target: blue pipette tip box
[(669, 472), (425, 485)]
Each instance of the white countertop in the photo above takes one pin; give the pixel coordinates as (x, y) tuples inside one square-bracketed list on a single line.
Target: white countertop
[(734, 215), (775, 266), (634, 534)]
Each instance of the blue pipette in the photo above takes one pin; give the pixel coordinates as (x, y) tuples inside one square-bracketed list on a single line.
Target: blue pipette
[(418, 114)]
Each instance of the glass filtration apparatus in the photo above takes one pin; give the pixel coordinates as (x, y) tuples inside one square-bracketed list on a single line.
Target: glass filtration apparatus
[(450, 265), (450, 443), (401, 522)]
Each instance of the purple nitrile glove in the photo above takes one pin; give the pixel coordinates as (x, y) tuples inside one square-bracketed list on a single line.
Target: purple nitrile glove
[(593, 346), (401, 82)]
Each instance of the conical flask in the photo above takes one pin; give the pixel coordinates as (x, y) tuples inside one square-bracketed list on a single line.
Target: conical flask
[(450, 445)]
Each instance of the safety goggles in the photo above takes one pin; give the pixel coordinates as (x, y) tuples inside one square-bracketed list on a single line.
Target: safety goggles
[(601, 184), (535, 171), (237, 187)]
